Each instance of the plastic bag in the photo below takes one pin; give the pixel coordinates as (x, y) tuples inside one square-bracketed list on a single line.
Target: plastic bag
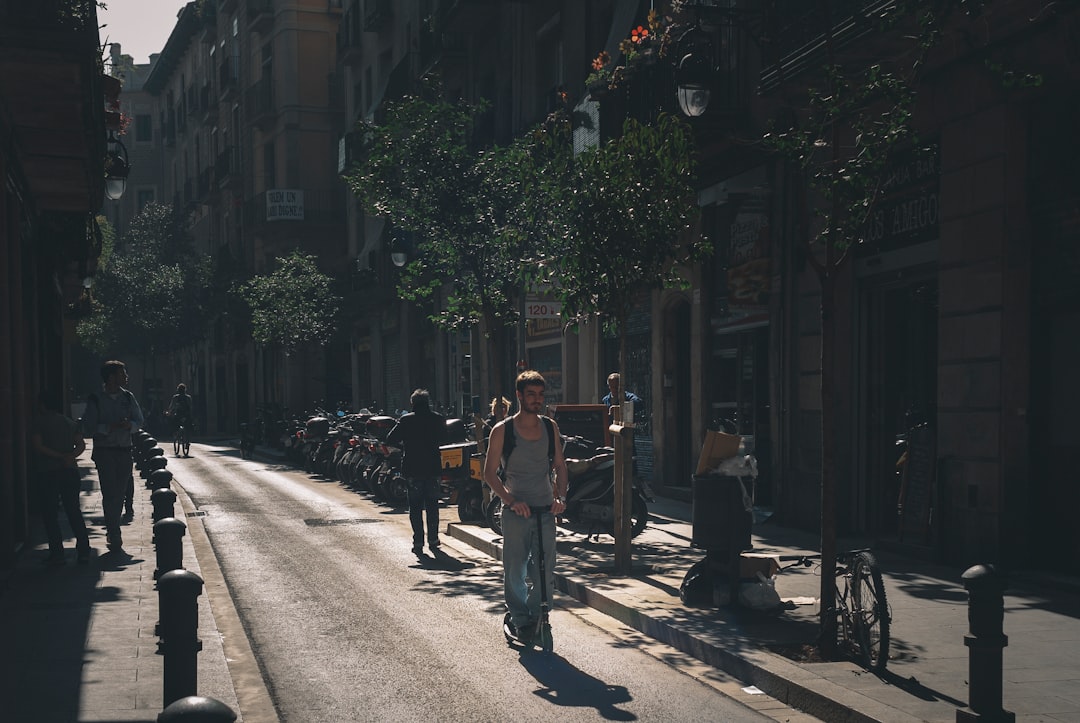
[(759, 595)]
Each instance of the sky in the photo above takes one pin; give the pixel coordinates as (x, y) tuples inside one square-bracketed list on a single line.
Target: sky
[(140, 26)]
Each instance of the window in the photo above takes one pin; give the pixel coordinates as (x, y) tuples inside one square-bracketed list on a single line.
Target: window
[(144, 128)]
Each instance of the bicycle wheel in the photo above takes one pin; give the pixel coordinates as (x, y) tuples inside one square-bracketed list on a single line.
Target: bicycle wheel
[(870, 610), (176, 444), (186, 445)]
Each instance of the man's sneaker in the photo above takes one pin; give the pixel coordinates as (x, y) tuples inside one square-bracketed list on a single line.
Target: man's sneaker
[(129, 515), (418, 550), (114, 542), (524, 633)]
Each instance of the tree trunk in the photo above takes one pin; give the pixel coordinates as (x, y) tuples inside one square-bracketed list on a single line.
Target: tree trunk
[(827, 641)]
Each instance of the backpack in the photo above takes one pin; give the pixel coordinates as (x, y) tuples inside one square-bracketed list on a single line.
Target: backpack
[(510, 440)]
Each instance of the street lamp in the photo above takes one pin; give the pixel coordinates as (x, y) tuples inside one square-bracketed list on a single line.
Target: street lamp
[(695, 72), (399, 248), (117, 168)]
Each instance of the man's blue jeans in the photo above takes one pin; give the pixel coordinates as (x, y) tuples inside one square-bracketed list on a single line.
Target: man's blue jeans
[(520, 567)]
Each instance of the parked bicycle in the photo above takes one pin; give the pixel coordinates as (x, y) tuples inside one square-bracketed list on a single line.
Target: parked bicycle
[(862, 611)]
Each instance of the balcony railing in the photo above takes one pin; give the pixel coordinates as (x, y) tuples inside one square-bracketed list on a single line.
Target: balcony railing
[(260, 15), (229, 77), (799, 31), (377, 13), (227, 166), (349, 34), (259, 102), (322, 207), (202, 184)]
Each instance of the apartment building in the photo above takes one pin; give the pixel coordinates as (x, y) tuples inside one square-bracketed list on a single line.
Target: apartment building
[(248, 106)]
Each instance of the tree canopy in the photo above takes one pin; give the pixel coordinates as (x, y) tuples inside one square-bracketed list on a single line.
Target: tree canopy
[(149, 292), (293, 305)]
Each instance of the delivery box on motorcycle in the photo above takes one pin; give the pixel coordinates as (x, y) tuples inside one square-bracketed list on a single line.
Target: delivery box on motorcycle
[(455, 457)]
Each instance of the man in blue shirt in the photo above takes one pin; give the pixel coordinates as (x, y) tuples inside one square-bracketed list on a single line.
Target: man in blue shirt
[(613, 382)]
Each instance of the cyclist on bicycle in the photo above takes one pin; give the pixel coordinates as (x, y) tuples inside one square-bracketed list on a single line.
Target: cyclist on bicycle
[(179, 410)]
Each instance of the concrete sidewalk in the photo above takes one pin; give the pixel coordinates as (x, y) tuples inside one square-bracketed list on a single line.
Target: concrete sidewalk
[(927, 676), (78, 641)]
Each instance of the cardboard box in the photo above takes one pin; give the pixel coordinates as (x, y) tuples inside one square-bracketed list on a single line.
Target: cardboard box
[(718, 446), (751, 563)]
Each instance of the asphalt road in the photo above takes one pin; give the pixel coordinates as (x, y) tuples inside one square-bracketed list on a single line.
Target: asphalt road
[(348, 626)]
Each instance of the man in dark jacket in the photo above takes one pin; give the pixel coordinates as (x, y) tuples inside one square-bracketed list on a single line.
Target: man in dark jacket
[(419, 435)]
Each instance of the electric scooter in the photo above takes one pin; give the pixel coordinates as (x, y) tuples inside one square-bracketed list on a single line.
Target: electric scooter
[(541, 633)]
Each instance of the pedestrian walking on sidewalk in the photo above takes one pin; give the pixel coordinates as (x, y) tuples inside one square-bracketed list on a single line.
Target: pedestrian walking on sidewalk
[(419, 433), (535, 483), (57, 443), (110, 418)]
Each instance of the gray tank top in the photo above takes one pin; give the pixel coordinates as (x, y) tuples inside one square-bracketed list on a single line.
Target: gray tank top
[(528, 471)]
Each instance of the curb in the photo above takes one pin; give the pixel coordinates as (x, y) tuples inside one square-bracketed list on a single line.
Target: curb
[(788, 682)]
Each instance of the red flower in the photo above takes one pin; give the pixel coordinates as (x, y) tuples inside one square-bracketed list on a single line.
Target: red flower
[(639, 35)]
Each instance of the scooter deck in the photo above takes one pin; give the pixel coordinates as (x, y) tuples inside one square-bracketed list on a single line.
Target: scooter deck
[(538, 638)]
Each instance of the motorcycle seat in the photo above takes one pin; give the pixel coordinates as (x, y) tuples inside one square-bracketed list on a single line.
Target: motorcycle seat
[(579, 466)]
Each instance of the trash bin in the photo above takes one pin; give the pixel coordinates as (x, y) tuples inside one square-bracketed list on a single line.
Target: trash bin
[(721, 527), (721, 522)]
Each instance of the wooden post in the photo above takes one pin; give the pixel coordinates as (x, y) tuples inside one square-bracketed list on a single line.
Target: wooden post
[(624, 492)]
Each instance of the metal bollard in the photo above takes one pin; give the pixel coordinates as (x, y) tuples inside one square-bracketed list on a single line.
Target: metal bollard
[(163, 499), (168, 539), (985, 641), (178, 628), (159, 478), (151, 465), (196, 709)]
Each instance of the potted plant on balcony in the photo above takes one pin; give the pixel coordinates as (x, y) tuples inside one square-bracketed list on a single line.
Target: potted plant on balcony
[(598, 81)]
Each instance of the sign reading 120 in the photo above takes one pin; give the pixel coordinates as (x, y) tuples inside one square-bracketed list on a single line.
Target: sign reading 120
[(543, 310)]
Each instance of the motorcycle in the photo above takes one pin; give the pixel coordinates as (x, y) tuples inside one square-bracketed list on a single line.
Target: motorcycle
[(590, 497)]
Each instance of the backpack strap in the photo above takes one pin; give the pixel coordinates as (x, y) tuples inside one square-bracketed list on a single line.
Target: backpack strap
[(510, 440)]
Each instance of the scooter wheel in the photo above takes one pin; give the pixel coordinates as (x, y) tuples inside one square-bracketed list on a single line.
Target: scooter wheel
[(510, 639)]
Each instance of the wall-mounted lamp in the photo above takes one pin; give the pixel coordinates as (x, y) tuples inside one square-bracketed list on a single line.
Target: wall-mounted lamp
[(399, 247), (695, 73), (117, 168)]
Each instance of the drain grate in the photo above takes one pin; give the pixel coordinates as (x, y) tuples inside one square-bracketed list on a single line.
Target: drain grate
[(196, 513), (346, 521)]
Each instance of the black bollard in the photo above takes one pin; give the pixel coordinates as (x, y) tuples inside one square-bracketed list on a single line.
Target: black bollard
[(985, 641), (168, 539), (163, 499), (151, 465), (178, 629), (196, 709), (159, 478)]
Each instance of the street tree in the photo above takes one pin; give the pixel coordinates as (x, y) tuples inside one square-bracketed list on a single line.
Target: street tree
[(292, 306), (853, 122), (627, 207), (148, 295), (422, 173)]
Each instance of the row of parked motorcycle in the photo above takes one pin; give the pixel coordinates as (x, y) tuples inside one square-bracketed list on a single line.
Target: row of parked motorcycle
[(351, 447)]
